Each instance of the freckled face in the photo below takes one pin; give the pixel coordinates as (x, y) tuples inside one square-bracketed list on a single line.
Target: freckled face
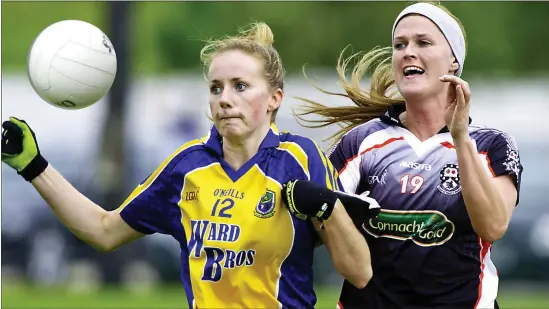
[(240, 97)]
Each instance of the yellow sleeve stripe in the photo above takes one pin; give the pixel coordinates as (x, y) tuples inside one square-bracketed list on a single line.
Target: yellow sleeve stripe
[(336, 183), (298, 153), (142, 187), (329, 168)]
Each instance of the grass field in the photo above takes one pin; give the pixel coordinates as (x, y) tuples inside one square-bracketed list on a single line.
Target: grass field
[(14, 297)]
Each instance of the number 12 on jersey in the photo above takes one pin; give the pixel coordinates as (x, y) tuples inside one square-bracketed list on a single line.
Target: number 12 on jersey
[(414, 182), (225, 204)]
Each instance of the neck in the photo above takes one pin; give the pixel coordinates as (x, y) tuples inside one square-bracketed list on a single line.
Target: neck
[(424, 119), (238, 151)]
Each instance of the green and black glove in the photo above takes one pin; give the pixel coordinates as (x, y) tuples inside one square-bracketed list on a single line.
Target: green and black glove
[(20, 149)]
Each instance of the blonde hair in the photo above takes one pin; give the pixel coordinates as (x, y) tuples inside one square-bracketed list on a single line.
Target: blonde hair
[(369, 104), (256, 39)]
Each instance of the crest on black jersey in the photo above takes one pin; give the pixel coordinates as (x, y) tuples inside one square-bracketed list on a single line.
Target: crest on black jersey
[(449, 180)]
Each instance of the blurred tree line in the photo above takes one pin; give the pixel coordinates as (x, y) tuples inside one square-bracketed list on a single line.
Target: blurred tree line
[(504, 38)]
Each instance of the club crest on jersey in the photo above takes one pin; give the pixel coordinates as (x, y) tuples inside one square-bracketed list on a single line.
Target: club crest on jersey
[(512, 162), (449, 180), (266, 206)]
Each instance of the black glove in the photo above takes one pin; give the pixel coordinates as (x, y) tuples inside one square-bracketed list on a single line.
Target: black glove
[(359, 207), (308, 199), (20, 150)]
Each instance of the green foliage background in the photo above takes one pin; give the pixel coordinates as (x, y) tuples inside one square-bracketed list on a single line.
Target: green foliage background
[(504, 38)]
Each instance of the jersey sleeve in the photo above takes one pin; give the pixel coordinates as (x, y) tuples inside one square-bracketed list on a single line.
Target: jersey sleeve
[(321, 169), (146, 209), (345, 158), (504, 159)]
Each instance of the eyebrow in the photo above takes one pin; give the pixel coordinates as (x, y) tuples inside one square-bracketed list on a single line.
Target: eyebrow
[(234, 79), (419, 35)]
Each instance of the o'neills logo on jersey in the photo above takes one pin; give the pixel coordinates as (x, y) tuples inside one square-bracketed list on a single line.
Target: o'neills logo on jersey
[(425, 228)]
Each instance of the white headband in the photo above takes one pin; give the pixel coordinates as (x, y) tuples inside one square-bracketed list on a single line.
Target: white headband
[(447, 25)]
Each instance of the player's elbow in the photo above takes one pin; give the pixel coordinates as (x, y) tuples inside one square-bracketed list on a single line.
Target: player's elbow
[(360, 276), (102, 247), (363, 280), (101, 243), (493, 232)]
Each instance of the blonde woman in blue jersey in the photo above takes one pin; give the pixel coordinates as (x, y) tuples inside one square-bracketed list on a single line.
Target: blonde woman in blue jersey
[(447, 187), (220, 196)]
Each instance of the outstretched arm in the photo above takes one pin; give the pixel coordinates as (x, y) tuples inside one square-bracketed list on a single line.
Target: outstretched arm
[(104, 230), (101, 229)]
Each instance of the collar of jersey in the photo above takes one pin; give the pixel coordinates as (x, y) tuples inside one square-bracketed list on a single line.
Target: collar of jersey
[(391, 117), (215, 141)]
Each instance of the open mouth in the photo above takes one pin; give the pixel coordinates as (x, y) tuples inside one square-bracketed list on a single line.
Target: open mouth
[(413, 70)]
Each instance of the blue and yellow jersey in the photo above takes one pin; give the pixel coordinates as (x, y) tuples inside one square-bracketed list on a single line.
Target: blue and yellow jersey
[(240, 246)]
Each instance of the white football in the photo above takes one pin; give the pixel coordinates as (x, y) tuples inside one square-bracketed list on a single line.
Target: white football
[(71, 64)]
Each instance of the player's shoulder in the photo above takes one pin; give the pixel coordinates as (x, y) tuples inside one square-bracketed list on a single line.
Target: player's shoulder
[(171, 164), (192, 147), (308, 145), (353, 138), (486, 136), (363, 130), (482, 130), (189, 155), (302, 158)]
